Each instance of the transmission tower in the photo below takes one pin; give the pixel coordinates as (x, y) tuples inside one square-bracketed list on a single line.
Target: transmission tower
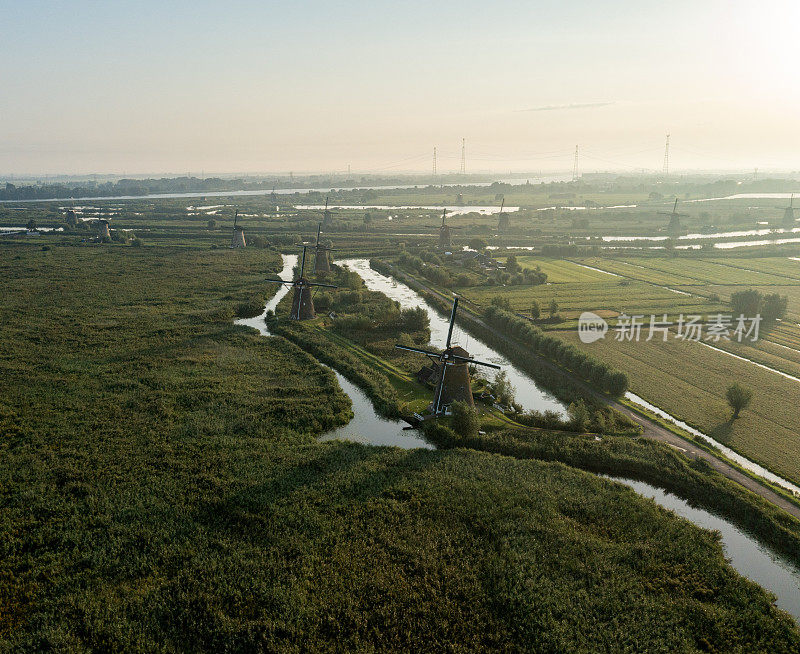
[(575, 166), (463, 157), (666, 157), (434, 162)]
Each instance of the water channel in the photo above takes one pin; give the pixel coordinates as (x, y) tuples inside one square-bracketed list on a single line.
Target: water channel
[(748, 556)]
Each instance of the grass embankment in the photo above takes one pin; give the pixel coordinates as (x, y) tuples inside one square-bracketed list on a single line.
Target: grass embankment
[(163, 490)]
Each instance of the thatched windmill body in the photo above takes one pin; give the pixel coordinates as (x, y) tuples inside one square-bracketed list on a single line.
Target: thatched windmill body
[(322, 260), (302, 301), (104, 231), (788, 214), (674, 226), (237, 240), (445, 233), (452, 371), (502, 220), (327, 215)]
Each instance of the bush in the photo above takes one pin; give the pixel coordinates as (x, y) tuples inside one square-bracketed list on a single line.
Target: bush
[(465, 419)]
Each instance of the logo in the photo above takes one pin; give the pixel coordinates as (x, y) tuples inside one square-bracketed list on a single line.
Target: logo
[(591, 327)]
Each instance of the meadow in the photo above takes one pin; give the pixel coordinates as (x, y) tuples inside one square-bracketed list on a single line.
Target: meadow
[(163, 490)]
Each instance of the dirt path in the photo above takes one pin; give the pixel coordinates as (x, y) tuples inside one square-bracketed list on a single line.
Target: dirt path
[(651, 429)]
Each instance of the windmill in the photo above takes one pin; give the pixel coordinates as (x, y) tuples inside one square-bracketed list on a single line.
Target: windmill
[(451, 369), (302, 302), (103, 232), (327, 215), (445, 240), (675, 218), (788, 214), (237, 240), (502, 220), (322, 260)]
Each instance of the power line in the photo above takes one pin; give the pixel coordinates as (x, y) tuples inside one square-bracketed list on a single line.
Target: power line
[(463, 157), (434, 161), (575, 166)]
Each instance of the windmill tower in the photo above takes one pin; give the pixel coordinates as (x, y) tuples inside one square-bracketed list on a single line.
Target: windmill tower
[(302, 302), (237, 240), (322, 260), (104, 232), (788, 214), (327, 216), (674, 218), (502, 220), (445, 233), (452, 371)]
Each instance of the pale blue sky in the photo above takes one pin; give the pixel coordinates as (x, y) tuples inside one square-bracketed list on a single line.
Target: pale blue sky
[(261, 86)]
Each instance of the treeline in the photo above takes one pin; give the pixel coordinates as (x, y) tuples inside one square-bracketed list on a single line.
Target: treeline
[(751, 303), (599, 374)]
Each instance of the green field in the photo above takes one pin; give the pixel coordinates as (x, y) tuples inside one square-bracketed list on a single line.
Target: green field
[(768, 431), (163, 490)]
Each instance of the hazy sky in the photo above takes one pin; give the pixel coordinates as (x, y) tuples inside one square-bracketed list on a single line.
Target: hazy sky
[(136, 87)]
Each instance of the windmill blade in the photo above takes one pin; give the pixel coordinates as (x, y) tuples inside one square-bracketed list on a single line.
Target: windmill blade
[(455, 357), (235, 218), (417, 350), (279, 281), (319, 229), (452, 322), (318, 284), (439, 387), (303, 265)]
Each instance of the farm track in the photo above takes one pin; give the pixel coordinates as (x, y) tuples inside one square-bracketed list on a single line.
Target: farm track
[(651, 428)]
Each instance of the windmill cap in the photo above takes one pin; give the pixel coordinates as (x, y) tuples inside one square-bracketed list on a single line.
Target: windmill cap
[(459, 351)]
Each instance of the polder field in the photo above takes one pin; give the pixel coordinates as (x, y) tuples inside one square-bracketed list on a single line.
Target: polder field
[(163, 490), (690, 284)]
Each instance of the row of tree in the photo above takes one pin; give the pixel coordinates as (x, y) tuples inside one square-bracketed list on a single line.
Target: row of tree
[(600, 374)]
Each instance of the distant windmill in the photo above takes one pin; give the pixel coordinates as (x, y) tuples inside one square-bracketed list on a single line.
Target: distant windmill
[(302, 302), (327, 216), (322, 260), (452, 370), (237, 240), (102, 225), (788, 214), (675, 218), (502, 221), (445, 237)]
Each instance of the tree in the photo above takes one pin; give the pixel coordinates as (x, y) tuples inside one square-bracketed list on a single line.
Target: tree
[(465, 419), (477, 244), (553, 307), (31, 226), (774, 307), (579, 415), (501, 302), (738, 398), (536, 311), (746, 303), (211, 223), (503, 389), (511, 264), (367, 218)]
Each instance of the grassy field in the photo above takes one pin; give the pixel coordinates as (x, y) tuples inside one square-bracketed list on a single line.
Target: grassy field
[(768, 431), (163, 490)]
